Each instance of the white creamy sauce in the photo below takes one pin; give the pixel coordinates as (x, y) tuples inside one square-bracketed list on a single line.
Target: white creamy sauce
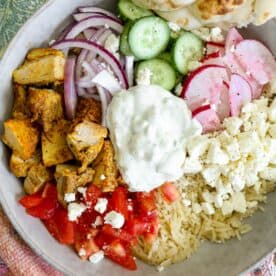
[(149, 128)]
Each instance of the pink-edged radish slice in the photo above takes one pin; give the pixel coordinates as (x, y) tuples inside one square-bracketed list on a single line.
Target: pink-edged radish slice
[(256, 60), (232, 39), (232, 62), (204, 85), (208, 118), (239, 93), (223, 107), (214, 47)]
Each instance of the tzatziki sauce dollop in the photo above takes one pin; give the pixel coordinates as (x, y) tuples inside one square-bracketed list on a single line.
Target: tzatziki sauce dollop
[(149, 128)]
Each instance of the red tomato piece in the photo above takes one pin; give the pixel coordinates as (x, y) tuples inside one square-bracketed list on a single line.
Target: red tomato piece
[(170, 192), (146, 202), (52, 228), (49, 191), (29, 201), (136, 226), (92, 195), (119, 201), (44, 210), (86, 219), (120, 254)]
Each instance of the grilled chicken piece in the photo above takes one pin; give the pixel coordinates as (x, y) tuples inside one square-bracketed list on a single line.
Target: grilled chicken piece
[(54, 145), (20, 167), (21, 137), (20, 110), (106, 171), (68, 180), (36, 178), (42, 67), (90, 110), (85, 141), (46, 107)]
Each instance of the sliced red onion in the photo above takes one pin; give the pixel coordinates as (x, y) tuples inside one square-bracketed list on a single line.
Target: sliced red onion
[(103, 97), (130, 69), (107, 80), (85, 83), (80, 16), (70, 94), (94, 21), (89, 69), (91, 9), (108, 57), (89, 33)]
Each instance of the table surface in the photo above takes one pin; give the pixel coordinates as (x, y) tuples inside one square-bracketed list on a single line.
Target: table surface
[(13, 14)]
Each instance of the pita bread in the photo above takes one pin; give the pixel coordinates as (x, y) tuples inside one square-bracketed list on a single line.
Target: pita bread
[(163, 5)]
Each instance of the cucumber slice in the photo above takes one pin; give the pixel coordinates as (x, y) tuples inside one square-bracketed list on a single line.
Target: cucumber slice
[(130, 11), (148, 37), (162, 73), (124, 46), (188, 48)]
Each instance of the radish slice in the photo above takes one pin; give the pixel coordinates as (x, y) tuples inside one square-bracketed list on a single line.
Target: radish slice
[(94, 21), (239, 93), (106, 80), (232, 39), (256, 60), (108, 57), (213, 47), (204, 85), (70, 94), (208, 118), (223, 108)]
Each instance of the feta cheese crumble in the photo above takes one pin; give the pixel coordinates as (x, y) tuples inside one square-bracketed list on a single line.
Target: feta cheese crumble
[(75, 210), (101, 205), (96, 257), (82, 252), (69, 197), (115, 219), (82, 191)]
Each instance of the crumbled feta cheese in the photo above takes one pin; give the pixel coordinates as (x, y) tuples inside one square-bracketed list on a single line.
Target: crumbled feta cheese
[(239, 202), (272, 112), (233, 150), (207, 208), (160, 268), (227, 207), (174, 27), (208, 197), (98, 222), (115, 219), (69, 197), (211, 174), (269, 174), (102, 177), (196, 208), (187, 202), (101, 205), (96, 257), (248, 141), (216, 34), (112, 44), (232, 125), (272, 131), (82, 252), (75, 210), (216, 155), (82, 190), (192, 166), (144, 77), (218, 201), (197, 146), (236, 181), (223, 189)]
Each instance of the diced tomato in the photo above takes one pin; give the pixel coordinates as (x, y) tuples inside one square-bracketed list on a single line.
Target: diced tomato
[(121, 234), (45, 209), (120, 254), (29, 201), (170, 192), (146, 202), (152, 229), (86, 219), (52, 227), (86, 241), (92, 194), (49, 191), (119, 201), (136, 227)]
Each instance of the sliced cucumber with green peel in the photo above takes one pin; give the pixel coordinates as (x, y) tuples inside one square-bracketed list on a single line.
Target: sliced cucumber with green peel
[(124, 46), (162, 73), (148, 37), (187, 48), (130, 11)]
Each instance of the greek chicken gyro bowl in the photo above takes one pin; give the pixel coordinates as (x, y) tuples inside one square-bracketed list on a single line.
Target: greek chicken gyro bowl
[(139, 137)]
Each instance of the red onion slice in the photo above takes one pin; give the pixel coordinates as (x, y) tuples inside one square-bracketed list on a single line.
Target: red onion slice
[(130, 69), (108, 57), (94, 21), (80, 16), (89, 33), (70, 95), (91, 9), (103, 96)]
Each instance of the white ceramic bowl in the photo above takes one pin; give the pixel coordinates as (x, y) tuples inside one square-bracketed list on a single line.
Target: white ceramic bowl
[(228, 259)]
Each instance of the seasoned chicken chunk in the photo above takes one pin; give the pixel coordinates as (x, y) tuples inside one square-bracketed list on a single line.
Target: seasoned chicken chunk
[(37, 53), (37, 176), (54, 145), (85, 141), (20, 110), (40, 68), (68, 180), (20, 167), (90, 110), (106, 171), (21, 137), (46, 107)]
